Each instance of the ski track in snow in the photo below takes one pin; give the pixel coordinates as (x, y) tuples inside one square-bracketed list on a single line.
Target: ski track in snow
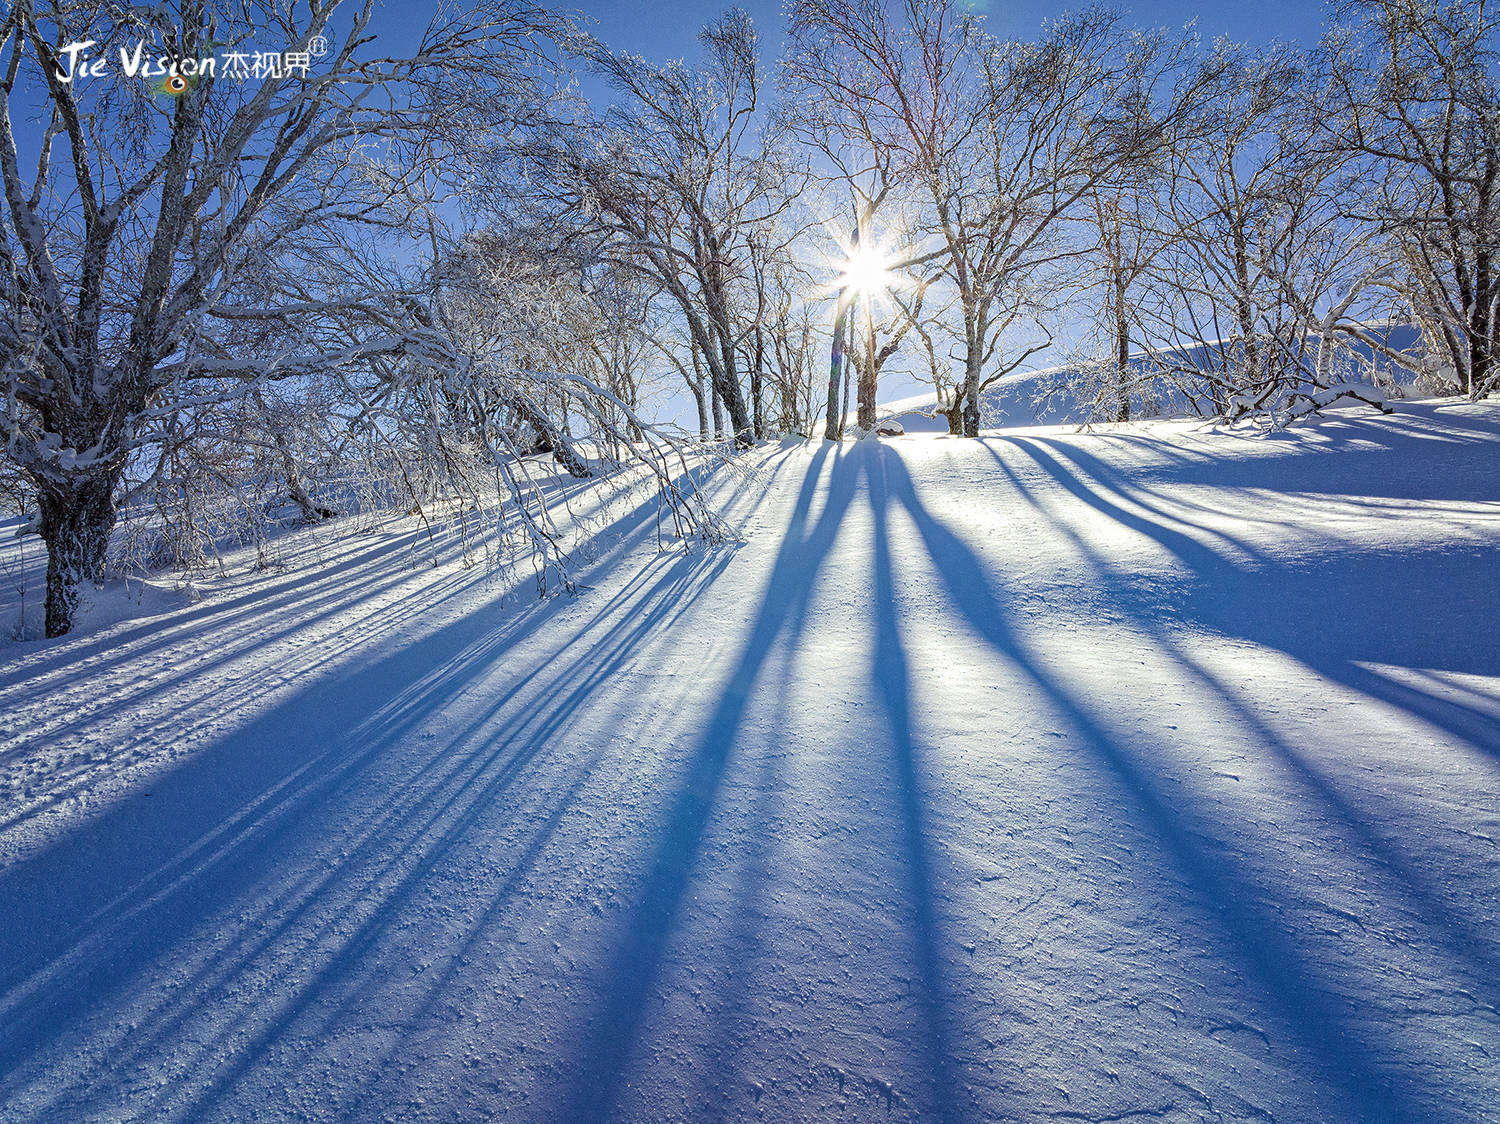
[(1147, 774)]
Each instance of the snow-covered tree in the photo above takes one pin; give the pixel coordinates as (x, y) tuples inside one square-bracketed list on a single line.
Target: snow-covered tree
[(1260, 272), (148, 203), (1421, 101), (674, 180), (1005, 140), (874, 88)]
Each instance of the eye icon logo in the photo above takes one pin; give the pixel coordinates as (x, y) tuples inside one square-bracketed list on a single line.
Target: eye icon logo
[(176, 84)]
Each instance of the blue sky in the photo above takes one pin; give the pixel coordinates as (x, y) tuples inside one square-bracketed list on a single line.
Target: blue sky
[(668, 28)]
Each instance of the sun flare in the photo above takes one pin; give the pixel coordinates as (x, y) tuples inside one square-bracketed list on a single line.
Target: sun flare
[(866, 271)]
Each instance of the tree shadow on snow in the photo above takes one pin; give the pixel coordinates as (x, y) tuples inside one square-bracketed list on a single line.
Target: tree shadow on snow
[(1325, 623), (111, 903), (601, 1058), (1349, 455), (109, 906), (1335, 611), (1348, 1055), (1271, 960)]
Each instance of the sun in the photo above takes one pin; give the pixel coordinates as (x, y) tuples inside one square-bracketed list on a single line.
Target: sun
[(866, 271)]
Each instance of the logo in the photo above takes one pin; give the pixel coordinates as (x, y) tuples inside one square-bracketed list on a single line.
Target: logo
[(175, 76)]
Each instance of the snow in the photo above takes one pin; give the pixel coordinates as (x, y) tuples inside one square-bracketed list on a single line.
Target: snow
[(1147, 773), (1011, 401)]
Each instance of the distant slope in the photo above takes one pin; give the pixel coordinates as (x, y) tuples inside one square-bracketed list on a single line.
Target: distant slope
[(1022, 398)]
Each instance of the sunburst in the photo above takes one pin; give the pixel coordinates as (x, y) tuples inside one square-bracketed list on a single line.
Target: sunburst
[(866, 270)]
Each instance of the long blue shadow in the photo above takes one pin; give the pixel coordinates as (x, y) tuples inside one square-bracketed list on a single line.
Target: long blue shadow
[(893, 685), (120, 892), (452, 810), (628, 981), (1358, 456), (1418, 607), (1449, 927), (1272, 963)]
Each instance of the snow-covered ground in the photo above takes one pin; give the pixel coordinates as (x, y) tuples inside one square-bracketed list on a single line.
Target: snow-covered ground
[(1147, 773)]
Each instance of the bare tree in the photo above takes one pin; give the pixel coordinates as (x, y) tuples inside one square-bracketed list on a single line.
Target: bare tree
[(675, 181), (1060, 117), (1219, 320), (864, 77), (794, 341), (1122, 209), (1417, 79), (490, 372), (144, 208), (1260, 272), (779, 338), (1005, 140)]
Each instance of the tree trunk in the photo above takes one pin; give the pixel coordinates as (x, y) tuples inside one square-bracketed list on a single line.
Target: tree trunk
[(844, 397), (562, 449), (834, 427), (757, 371), (1480, 364), (718, 410), (955, 415), (631, 398), (312, 512), (757, 379), (733, 399), (701, 390), (868, 377), (971, 412), (723, 369), (75, 524), (1482, 359), (971, 393), (1122, 355), (702, 404), (1245, 314), (791, 420), (976, 331)]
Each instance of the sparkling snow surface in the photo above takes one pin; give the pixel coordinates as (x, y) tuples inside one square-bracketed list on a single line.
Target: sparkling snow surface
[(1145, 774)]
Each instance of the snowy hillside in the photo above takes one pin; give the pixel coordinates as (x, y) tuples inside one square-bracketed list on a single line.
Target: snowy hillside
[(1013, 401), (1143, 774), (1042, 396)]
